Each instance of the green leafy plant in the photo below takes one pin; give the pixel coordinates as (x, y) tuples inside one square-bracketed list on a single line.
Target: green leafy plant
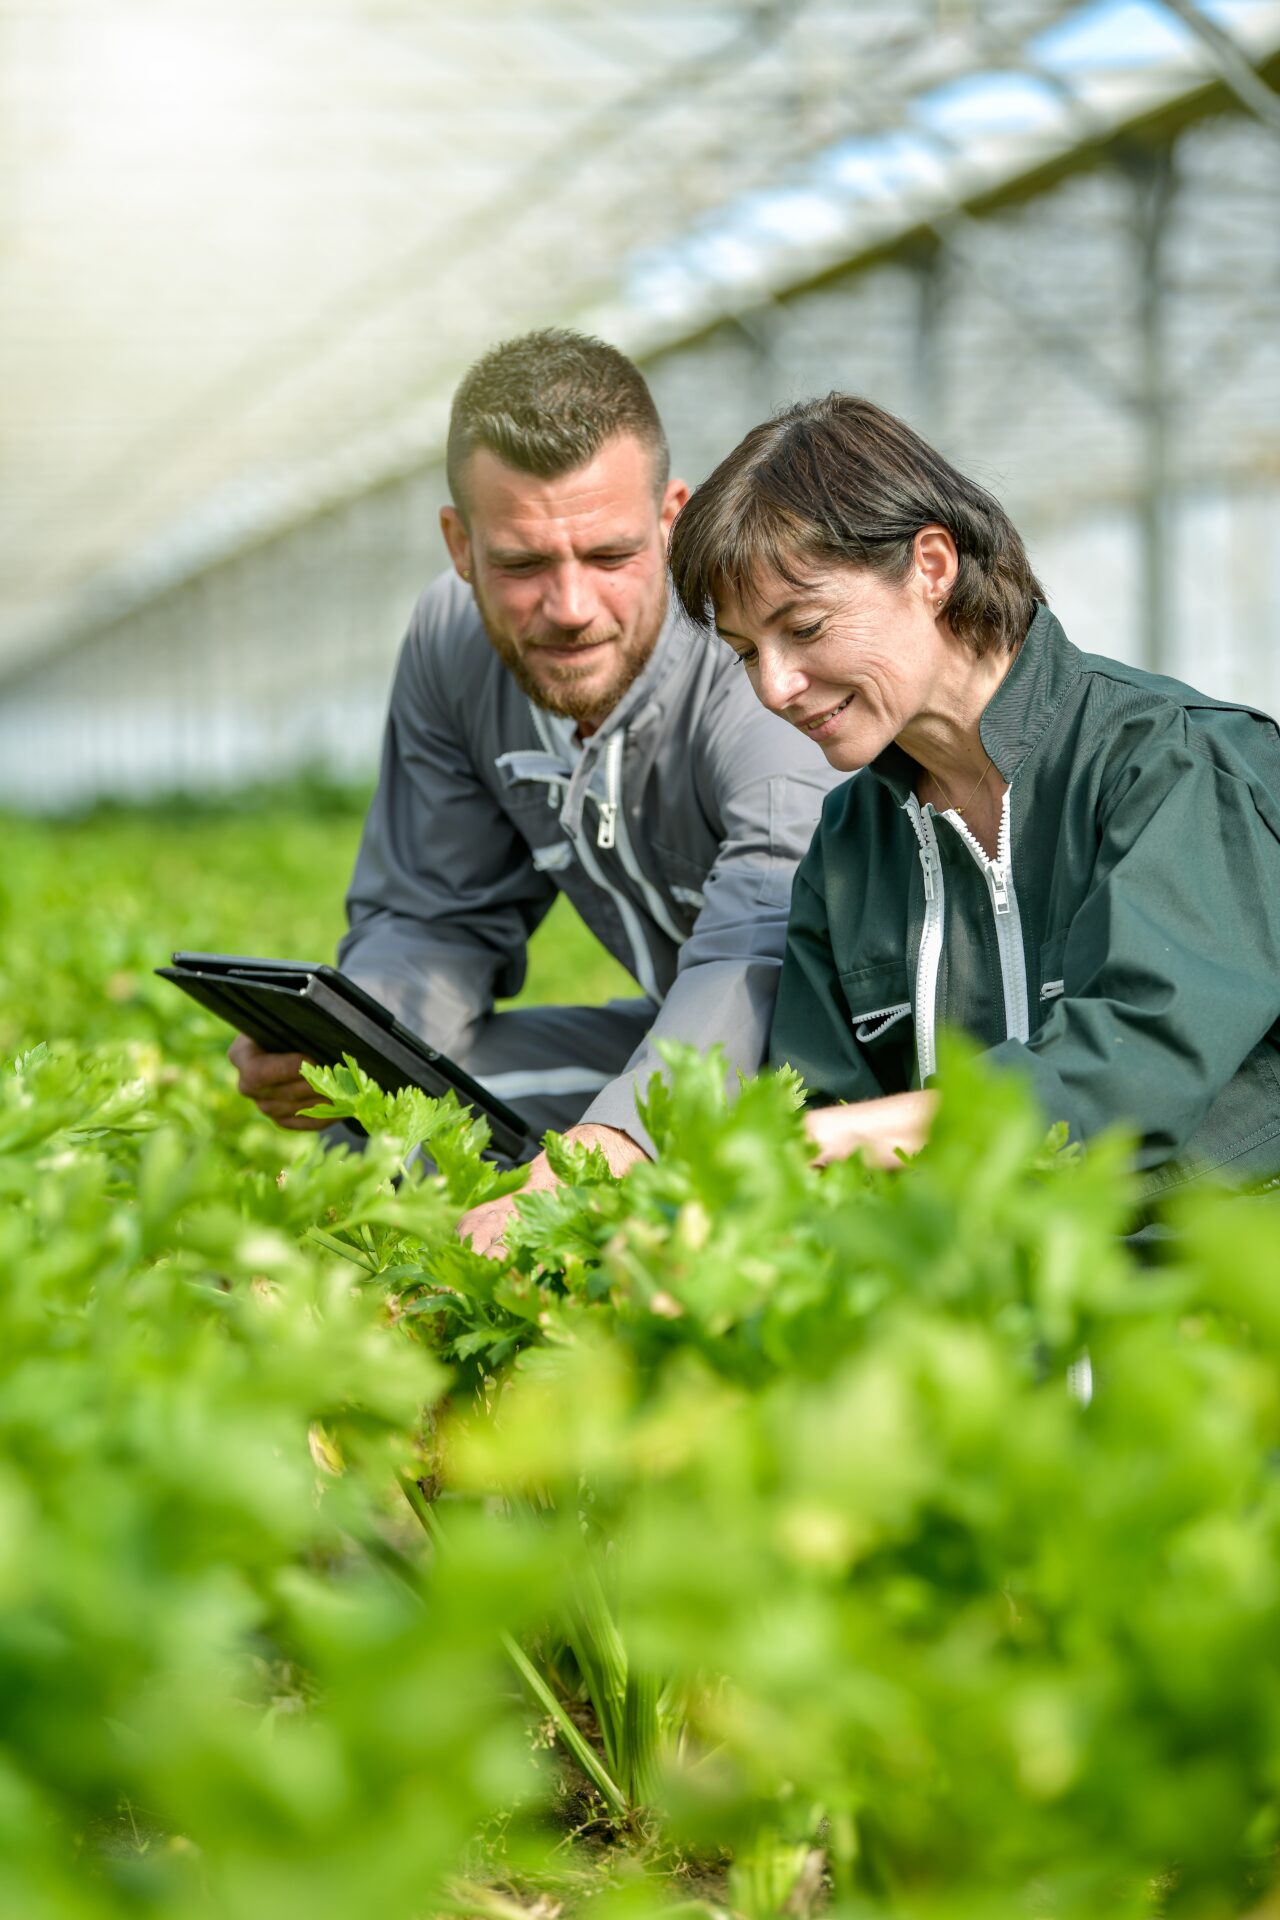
[(747, 1539)]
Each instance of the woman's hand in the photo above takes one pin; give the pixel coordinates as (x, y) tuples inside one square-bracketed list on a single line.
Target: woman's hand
[(881, 1130)]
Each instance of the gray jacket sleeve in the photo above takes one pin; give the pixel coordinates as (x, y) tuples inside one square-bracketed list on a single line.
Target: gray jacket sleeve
[(444, 894), (761, 786)]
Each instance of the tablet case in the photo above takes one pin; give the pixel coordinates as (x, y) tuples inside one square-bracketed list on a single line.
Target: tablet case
[(288, 1006)]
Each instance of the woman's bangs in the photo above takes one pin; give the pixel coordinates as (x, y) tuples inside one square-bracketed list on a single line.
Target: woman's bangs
[(763, 540)]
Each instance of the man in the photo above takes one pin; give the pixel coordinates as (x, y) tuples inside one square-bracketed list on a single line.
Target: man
[(554, 727)]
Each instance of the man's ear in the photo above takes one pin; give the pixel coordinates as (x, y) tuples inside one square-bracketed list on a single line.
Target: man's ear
[(672, 500), (457, 539)]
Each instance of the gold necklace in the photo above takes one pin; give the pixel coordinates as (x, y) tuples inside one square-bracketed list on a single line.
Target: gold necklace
[(972, 797)]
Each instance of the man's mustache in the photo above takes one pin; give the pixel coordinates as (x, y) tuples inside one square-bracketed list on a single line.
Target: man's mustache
[(570, 643)]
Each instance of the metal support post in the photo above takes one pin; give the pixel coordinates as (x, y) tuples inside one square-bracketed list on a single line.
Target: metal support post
[(927, 268), (1153, 179), (760, 326)]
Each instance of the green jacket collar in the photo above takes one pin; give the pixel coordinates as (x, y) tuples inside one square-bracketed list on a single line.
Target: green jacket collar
[(1017, 715)]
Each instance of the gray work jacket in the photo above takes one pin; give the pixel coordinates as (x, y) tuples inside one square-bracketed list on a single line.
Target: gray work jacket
[(675, 833)]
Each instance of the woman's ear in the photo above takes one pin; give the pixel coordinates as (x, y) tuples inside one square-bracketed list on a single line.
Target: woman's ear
[(937, 562)]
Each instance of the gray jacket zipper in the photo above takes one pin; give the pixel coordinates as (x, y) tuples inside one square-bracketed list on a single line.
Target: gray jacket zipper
[(610, 813), (607, 826), (621, 837)]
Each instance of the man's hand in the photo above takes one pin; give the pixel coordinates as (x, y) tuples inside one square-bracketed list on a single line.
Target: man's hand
[(274, 1082), (881, 1130), (485, 1226)]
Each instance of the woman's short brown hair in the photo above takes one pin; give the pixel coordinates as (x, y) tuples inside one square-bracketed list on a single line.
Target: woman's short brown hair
[(840, 480)]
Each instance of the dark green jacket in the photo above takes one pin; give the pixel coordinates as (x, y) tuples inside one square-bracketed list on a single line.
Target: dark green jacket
[(1122, 950)]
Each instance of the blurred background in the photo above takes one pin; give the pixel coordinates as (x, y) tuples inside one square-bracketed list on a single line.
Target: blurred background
[(247, 249)]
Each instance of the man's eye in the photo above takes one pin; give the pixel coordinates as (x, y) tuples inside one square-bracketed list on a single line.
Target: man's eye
[(747, 659), (807, 633), (612, 559)]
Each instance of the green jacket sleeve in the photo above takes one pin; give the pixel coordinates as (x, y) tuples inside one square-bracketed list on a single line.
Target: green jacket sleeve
[(811, 1027), (1171, 966)]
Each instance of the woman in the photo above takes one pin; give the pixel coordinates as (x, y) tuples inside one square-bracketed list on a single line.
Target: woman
[(1077, 862)]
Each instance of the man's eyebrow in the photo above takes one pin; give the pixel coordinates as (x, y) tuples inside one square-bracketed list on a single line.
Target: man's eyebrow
[(625, 543), (512, 556)]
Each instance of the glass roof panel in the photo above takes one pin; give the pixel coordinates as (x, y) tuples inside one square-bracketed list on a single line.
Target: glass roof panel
[(245, 252)]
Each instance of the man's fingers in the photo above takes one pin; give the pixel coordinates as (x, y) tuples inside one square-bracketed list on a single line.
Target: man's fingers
[(485, 1226), (287, 1097), (285, 1111), (486, 1237), (285, 1106), (277, 1075), (273, 1081)]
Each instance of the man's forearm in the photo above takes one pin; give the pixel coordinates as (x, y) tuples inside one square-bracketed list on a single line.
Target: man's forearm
[(617, 1146), (724, 1003), (438, 988)]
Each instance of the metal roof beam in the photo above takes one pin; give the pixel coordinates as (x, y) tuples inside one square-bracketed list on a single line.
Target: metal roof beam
[(961, 236), (1155, 124), (1232, 63)]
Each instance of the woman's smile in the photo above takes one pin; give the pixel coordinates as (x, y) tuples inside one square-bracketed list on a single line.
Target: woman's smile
[(823, 722), (849, 661)]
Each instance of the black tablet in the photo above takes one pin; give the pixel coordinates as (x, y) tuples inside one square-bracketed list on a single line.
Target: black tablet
[(291, 1006)]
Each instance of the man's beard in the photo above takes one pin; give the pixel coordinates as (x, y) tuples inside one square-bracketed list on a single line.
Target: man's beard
[(569, 690)]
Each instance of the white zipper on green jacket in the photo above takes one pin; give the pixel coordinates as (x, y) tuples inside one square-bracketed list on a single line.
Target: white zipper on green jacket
[(930, 956), (998, 874)]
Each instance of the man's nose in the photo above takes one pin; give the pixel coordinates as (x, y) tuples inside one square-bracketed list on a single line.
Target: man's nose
[(779, 681), (569, 601)]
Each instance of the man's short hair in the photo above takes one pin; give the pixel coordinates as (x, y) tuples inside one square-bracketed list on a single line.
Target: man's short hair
[(546, 403)]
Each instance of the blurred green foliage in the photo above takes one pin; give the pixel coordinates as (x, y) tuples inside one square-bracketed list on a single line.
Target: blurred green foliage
[(745, 1540), (88, 906)]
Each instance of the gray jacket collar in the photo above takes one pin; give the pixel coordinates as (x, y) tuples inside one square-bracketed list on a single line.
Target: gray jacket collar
[(658, 673), (639, 706)]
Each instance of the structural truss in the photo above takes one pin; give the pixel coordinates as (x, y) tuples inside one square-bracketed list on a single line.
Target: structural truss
[(245, 249)]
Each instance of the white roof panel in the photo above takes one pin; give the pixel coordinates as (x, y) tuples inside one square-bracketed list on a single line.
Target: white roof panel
[(246, 249)]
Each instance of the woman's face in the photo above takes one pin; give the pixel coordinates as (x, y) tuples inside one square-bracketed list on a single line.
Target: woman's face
[(850, 659)]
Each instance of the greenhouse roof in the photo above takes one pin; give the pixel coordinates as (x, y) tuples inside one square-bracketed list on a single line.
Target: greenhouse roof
[(249, 248)]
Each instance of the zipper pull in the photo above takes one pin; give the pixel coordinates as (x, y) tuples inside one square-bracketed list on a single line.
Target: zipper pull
[(999, 887), (605, 832), (553, 795), (926, 861)]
